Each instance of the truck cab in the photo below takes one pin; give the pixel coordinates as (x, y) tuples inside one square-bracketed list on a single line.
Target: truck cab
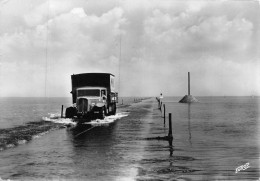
[(93, 96), (91, 99)]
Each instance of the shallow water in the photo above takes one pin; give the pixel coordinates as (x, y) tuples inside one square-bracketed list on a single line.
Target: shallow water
[(211, 139)]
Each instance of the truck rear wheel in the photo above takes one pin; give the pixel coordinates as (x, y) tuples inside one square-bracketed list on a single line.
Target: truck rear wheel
[(113, 109)]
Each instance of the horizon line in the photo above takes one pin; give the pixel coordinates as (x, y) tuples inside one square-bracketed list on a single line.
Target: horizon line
[(133, 96)]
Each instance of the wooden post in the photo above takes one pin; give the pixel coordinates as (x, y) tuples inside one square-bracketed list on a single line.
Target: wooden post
[(164, 114), (188, 83), (170, 125), (61, 115), (122, 102)]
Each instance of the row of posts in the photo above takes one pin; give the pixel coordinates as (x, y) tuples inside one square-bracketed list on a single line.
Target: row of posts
[(160, 105)]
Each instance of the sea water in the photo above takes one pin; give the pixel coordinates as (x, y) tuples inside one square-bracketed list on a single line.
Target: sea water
[(211, 139)]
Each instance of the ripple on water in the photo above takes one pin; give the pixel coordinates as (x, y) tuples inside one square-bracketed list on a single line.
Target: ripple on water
[(173, 158), (165, 173), (174, 169)]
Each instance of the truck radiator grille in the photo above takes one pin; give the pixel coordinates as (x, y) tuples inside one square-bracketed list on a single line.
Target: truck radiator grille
[(83, 105)]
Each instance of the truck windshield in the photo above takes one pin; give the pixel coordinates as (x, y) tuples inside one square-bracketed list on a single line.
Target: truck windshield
[(89, 92)]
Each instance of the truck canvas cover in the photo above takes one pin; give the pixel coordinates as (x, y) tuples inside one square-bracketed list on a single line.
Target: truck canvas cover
[(92, 80)]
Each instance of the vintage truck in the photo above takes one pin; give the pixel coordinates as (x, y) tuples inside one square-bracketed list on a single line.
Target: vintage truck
[(93, 96)]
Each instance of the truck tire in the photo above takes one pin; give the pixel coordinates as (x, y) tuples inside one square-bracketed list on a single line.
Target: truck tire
[(113, 109), (106, 112), (70, 112), (102, 113)]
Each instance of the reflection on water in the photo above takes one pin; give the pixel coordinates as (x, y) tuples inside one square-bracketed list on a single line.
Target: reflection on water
[(189, 116), (170, 147)]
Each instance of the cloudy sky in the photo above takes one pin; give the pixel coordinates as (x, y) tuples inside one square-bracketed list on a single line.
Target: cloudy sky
[(43, 42)]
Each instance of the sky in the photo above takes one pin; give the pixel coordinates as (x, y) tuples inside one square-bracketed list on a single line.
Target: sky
[(149, 45)]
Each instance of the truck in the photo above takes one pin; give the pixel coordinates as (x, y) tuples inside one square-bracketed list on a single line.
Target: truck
[(93, 96)]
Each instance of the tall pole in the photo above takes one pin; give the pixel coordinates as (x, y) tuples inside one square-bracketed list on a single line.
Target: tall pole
[(188, 83)]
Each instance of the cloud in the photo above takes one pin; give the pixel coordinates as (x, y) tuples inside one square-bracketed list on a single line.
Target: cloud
[(91, 37), (160, 42), (72, 42), (193, 35)]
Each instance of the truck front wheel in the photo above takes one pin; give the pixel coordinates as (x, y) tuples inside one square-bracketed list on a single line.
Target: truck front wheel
[(70, 112), (102, 113)]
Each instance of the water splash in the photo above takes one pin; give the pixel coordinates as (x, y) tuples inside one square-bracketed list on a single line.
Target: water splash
[(107, 120), (4, 179), (54, 117), (65, 121)]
